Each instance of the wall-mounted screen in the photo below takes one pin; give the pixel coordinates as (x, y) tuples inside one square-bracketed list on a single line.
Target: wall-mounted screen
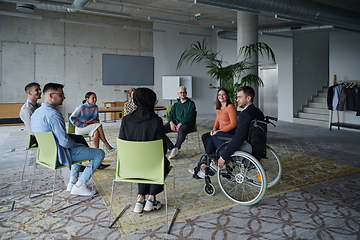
[(127, 70)]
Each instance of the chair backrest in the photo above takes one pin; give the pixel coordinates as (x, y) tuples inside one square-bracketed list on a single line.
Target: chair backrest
[(168, 109), (71, 127), (47, 150), (195, 127), (140, 162)]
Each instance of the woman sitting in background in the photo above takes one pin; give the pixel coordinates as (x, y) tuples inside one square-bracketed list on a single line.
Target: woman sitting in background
[(145, 125), (226, 119), (86, 121), (129, 106), (225, 125)]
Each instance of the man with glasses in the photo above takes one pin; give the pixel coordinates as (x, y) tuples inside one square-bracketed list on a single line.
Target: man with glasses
[(48, 119), (181, 119)]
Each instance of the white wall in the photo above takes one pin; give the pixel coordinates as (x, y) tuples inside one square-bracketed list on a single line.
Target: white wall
[(168, 48), (48, 50), (282, 47), (344, 52)]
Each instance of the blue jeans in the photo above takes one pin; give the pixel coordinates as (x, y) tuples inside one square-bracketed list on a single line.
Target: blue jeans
[(80, 153)]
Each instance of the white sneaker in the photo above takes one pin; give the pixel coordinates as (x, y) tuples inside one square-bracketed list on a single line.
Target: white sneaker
[(82, 191), (174, 153), (152, 205), (200, 174), (139, 206), (70, 186)]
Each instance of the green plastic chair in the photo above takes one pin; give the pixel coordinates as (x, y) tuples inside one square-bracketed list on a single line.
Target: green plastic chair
[(145, 166), (31, 145), (47, 156), (71, 129)]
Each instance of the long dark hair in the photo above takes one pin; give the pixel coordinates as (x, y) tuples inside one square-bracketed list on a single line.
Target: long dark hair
[(87, 95), (218, 103)]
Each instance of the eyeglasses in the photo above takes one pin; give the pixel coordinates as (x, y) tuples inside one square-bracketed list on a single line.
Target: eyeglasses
[(60, 94), (181, 92)]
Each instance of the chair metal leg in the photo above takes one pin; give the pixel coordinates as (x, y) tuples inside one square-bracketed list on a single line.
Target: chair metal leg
[(53, 192), (173, 220), (32, 179), (166, 207), (52, 197), (121, 213), (174, 184), (168, 227), (22, 176)]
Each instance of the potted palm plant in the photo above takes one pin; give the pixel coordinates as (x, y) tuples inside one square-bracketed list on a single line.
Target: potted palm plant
[(231, 76)]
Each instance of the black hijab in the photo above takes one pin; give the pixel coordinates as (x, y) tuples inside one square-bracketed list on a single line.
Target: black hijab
[(144, 99)]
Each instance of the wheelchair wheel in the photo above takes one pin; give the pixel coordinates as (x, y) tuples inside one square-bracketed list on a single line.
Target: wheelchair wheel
[(272, 167), (209, 189), (242, 179)]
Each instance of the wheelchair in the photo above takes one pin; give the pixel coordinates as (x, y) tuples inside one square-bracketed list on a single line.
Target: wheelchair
[(244, 179)]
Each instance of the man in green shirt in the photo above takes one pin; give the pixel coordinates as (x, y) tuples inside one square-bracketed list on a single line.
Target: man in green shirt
[(181, 119)]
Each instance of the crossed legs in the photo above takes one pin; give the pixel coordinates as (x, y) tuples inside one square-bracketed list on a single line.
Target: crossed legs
[(99, 134)]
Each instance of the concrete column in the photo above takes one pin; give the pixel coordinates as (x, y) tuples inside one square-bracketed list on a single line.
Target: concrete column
[(247, 32)]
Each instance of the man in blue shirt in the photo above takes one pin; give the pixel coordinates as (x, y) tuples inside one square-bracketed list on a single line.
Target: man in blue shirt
[(48, 119)]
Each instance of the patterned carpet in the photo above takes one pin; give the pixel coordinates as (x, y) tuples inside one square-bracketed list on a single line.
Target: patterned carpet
[(299, 171), (324, 204)]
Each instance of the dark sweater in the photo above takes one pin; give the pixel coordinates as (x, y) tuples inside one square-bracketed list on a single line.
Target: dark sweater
[(184, 113)]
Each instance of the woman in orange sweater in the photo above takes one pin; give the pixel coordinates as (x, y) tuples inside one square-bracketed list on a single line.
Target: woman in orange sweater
[(226, 120)]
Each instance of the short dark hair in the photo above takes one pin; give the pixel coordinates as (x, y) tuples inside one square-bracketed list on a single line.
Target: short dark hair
[(52, 86), (30, 85), (248, 91), (87, 95), (228, 100)]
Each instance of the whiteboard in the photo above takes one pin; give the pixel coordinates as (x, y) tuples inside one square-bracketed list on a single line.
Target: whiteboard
[(170, 85)]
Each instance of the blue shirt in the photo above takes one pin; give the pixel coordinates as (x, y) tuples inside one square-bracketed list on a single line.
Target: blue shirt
[(83, 114), (48, 119)]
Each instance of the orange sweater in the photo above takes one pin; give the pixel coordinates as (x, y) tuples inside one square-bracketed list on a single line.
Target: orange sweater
[(226, 119)]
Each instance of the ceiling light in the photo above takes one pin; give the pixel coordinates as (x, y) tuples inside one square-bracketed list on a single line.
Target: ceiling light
[(194, 34), (285, 18), (84, 22), (14, 14), (163, 20), (219, 4), (102, 12), (144, 29), (25, 7), (224, 28)]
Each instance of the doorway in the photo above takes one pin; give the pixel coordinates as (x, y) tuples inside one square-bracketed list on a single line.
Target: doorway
[(268, 95)]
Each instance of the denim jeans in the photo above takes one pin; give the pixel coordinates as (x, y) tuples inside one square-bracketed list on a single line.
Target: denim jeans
[(81, 153)]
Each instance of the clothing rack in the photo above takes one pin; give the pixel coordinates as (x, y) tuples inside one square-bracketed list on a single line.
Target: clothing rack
[(338, 123)]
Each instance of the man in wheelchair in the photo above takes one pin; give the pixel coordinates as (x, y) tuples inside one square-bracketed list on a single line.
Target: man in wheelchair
[(245, 96)]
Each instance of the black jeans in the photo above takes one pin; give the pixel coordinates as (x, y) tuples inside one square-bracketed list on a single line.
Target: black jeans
[(183, 131)]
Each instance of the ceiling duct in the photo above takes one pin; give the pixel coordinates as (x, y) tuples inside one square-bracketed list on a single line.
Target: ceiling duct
[(232, 35), (305, 10), (62, 7)]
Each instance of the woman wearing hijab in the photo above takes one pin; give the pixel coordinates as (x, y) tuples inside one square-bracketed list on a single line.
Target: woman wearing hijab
[(145, 125), (86, 121)]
